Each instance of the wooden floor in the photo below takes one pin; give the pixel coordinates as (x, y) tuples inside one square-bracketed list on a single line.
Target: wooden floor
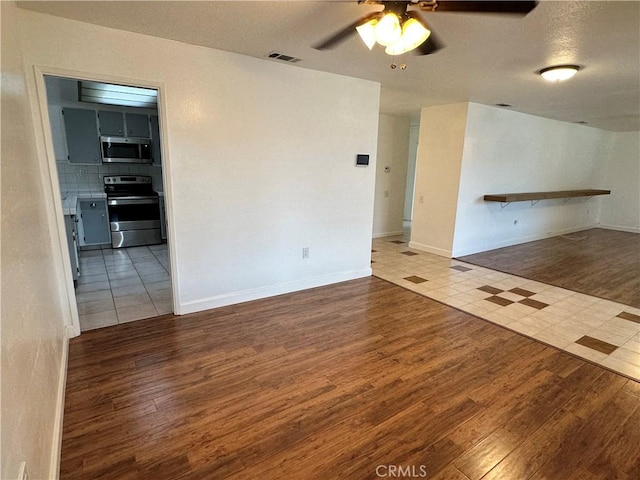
[(598, 262), (338, 382)]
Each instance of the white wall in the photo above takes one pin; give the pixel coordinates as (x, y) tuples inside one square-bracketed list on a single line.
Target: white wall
[(34, 312), (442, 131), (621, 174), (260, 159), (507, 151), (393, 152)]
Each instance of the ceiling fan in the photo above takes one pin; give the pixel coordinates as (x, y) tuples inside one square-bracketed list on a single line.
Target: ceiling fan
[(399, 28)]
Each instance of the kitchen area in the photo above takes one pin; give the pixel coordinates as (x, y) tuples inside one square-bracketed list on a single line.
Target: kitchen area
[(106, 140)]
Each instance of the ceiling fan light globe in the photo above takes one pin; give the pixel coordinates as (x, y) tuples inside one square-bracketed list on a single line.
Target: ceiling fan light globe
[(414, 34), (397, 48), (367, 32), (388, 30)]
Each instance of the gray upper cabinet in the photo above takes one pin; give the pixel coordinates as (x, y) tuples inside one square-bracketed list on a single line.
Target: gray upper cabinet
[(94, 222), (137, 125), (155, 140), (111, 123), (82, 136)]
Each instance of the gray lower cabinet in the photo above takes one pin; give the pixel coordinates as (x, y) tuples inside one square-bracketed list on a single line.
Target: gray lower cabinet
[(155, 140), (163, 218), (72, 241), (94, 222), (81, 130)]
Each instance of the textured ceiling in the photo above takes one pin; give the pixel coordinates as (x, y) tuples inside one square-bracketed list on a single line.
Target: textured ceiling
[(488, 59)]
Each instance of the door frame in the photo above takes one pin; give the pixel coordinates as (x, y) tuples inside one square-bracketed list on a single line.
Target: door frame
[(49, 171)]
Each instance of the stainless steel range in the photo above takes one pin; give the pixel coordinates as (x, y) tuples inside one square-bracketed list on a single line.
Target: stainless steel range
[(134, 211)]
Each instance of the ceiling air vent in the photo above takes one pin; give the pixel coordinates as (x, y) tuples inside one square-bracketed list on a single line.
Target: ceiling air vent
[(283, 57)]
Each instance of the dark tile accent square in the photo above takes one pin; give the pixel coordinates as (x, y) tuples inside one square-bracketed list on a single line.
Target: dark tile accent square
[(522, 292), (530, 302), (499, 300), (461, 268), (629, 316), (398, 242), (490, 289), (595, 344), (416, 279), (408, 253)]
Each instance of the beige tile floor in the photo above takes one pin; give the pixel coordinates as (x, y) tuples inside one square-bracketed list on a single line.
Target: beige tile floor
[(123, 285), (586, 326)]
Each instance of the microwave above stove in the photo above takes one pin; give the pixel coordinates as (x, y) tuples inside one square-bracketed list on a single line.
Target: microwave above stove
[(125, 150)]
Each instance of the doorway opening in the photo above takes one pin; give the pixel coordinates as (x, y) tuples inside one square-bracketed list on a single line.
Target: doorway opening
[(414, 134), (107, 145)]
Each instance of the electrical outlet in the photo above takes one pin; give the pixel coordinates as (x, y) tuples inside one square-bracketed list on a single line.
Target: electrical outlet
[(386, 193), (22, 473), (421, 199), (305, 252)]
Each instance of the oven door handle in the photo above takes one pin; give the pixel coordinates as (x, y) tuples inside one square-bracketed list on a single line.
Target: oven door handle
[(132, 201)]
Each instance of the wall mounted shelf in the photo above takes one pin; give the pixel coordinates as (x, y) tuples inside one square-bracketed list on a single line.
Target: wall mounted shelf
[(535, 197)]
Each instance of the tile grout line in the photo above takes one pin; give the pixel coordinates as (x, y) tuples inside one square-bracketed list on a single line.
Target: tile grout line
[(144, 284), (130, 266)]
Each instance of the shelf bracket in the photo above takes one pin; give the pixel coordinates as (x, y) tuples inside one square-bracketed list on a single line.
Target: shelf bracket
[(533, 202), (565, 200), (504, 204)]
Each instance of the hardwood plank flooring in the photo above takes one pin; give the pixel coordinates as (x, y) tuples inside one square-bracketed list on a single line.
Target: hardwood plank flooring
[(353, 380), (604, 263)]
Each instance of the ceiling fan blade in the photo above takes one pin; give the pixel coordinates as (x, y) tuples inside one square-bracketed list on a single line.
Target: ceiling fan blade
[(514, 7), (431, 45), (345, 33)]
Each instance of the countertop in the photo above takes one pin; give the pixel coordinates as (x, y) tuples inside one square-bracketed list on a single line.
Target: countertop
[(70, 200)]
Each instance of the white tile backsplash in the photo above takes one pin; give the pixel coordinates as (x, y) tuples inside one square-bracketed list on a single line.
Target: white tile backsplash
[(89, 178)]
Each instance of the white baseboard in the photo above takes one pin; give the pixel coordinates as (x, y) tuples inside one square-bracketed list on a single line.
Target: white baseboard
[(269, 291), (519, 240), (387, 234), (620, 228), (428, 248), (56, 452)]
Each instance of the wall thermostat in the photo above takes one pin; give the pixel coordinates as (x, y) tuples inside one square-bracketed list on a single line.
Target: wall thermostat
[(362, 159)]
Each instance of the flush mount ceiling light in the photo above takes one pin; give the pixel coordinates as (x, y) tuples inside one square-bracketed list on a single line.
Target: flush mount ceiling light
[(559, 73)]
